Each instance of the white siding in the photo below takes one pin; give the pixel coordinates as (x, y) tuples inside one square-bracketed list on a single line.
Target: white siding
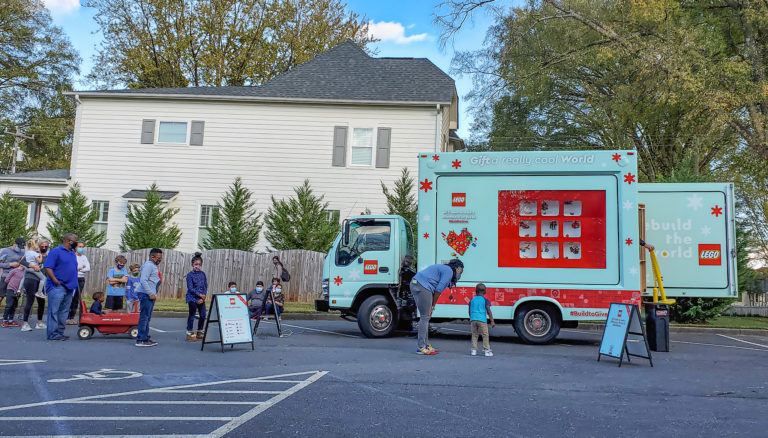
[(273, 147), (27, 191)]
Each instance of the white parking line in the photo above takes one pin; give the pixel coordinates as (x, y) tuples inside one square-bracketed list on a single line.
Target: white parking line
[(158, 330), (314, 330), (211, 391), (19, 361), (117, 418), (162, 402), (741, 340), (694, 343)]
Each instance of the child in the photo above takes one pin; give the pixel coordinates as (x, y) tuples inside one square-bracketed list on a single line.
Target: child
[(96, 307), (35, 259), (231, 288), (131, 297), (197, 289), (117, 278), (256, 300), (277, 295), (479, 306), (13, 284)]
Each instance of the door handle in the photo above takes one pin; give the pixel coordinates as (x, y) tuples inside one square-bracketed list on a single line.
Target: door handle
[(360, 260), (383, 269)]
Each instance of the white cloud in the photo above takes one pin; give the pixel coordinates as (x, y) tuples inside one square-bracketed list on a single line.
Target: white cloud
[(389, 31), (63, 6)]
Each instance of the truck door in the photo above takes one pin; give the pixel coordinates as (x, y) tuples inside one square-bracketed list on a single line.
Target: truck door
[(366, 259), (692, 227)]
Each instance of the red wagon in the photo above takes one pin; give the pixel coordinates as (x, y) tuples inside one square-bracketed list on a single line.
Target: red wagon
[(108, 323)]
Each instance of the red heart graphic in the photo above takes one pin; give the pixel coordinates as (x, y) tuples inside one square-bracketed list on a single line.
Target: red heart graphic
[(459, 242)]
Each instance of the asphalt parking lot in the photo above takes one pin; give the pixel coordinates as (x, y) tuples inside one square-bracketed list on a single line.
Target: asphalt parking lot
[(326, 380)]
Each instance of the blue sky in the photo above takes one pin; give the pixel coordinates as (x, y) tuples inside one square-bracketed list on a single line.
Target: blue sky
[(405, 28)]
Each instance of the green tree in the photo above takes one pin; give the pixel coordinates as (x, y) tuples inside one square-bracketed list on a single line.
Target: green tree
[(13, 219), (37, 64), (235, 222), (75, 215), (157, 43), (300, 222), (402, 200), (149, 224)]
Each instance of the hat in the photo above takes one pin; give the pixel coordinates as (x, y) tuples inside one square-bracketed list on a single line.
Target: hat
[(259, 283), (23, 262), (20, 241)]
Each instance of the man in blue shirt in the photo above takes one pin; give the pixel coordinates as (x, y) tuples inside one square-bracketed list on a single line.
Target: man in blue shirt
[(61, 270), (149, 283), (426, 288)]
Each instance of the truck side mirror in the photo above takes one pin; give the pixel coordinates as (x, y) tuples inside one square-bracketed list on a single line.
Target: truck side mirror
[(345, 232)]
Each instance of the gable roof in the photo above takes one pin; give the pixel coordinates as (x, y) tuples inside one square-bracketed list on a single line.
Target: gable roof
[(142, 194), (50, 176), (343, 74)]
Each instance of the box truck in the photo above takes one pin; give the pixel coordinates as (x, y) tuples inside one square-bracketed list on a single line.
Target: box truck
[(554, 236)]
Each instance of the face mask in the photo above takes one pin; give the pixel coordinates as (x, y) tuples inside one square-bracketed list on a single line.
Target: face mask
[(43, 250), (259, 289), (120, 266), (278, 291), (80, 250), (135, 274), (197, 268), (233, 289)]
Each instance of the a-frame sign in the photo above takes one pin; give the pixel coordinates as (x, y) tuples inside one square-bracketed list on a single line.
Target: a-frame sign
[(624, 333)]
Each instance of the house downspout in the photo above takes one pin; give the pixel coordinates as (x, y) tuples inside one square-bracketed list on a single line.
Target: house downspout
[(437, 129)]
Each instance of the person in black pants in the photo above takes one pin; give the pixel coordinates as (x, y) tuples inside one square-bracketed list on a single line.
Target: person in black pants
[(30, 288)]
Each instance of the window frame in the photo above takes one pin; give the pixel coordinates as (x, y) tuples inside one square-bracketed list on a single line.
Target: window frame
[(99, 221), (372, 147), (200, 228), (187, 131)]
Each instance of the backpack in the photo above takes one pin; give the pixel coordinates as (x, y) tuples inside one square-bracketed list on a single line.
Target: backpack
[(285, 276)]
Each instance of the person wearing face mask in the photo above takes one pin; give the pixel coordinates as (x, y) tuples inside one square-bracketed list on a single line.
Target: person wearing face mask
[(197, 289), (255, 299), (9, 259), (32, 286), (117, 278), (275, 295), (83, 267), (61, 270), (426, 288), (131, 298), (231, 288)]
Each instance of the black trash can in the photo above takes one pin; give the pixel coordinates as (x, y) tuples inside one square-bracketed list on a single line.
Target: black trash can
[(657, 326)]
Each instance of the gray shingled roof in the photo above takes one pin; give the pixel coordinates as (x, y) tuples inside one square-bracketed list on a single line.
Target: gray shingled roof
[(344, 73), (142, 194), (40, 174)]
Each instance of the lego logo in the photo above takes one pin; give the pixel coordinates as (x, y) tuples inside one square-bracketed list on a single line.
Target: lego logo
[(231, 301), (459, 199), (709, 255), (370, 267)]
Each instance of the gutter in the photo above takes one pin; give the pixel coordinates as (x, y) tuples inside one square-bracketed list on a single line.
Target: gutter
[(78, 94), (35, 180), (437, 129)]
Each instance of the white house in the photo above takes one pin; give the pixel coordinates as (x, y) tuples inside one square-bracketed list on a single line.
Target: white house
[(344, 120)]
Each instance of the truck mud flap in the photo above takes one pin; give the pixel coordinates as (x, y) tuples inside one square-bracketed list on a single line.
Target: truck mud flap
[(321, 305), (569, 324)]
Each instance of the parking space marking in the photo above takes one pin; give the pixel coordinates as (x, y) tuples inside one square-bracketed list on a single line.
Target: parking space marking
[(158, 330), (19, 361), (231, 422), (741, 340), (720, 345), (314, 330)]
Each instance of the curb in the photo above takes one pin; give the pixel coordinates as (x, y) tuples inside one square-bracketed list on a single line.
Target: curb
[(704, 330), (285, 316)]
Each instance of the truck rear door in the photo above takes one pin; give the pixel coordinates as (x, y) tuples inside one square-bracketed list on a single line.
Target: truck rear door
[(692, 226)]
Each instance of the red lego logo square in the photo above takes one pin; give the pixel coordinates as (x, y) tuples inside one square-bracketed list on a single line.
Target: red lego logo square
[(459, 200), (710, 255), (232, 301), (370, 267)]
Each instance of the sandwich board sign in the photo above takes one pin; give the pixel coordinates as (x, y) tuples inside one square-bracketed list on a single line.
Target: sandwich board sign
[(624, 333), (229, 312)]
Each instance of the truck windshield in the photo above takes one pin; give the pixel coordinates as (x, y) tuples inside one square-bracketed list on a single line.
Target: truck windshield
[(363, 236)]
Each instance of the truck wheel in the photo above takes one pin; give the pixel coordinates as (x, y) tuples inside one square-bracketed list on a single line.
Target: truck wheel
[(85, 332), (537, 323), (375, 318)]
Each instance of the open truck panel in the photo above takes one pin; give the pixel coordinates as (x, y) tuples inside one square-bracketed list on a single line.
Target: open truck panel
[(554, 236)]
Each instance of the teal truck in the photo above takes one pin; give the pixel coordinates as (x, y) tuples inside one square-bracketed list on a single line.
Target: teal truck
[(554, 236)]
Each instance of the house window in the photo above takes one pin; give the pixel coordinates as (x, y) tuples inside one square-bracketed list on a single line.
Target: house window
[(362, 146), (333, 215), (206, 220), (30, 214), (102, 218), (172, 132)]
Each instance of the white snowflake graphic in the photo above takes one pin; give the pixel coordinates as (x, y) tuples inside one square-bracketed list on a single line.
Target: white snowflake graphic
[(627, 205), (354, 275), (605, 165), (705, 230), (426, 218), (633, 271), (694, 202)]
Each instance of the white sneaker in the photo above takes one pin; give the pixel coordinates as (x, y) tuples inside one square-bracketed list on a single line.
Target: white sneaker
[(473, 352), (26, 327), (488, 353), (40, 294), (40, 326)]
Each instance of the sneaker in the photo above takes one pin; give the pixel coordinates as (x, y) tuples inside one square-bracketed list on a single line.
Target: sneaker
[(60, 338), (26, 328), (40, 294), (432, 349), (200, 335), (488, 353), (146, 344), (6, 324), (191, 336), (40, 326), (425, 351), (13, 324), (71, 322), (473, 352)]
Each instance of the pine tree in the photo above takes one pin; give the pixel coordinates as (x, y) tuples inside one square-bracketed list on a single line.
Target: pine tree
[(149, 225), (75, 215), (13, 219), (401, 200), (300, 222), (235, 222)]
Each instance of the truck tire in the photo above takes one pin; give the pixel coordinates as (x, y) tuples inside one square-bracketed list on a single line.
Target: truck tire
[(537, 323), (376, 318)]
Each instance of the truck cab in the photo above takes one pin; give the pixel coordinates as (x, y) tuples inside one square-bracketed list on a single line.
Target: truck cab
[(366, 273)]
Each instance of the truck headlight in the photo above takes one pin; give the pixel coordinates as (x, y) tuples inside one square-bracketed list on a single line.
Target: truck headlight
[(326, 289)]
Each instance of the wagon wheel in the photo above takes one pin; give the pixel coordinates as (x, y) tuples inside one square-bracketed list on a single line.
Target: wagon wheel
[(134, 332), (85, 332)]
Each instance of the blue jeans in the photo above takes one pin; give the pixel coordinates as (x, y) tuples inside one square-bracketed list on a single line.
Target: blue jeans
[(271, 312), (195, 308), (59, 300), (145, 314)]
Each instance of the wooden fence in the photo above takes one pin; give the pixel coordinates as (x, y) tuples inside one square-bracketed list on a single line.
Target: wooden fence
[(220, 266)]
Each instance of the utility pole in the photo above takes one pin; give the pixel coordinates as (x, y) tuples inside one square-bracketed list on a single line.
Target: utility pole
[(18, 136)]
